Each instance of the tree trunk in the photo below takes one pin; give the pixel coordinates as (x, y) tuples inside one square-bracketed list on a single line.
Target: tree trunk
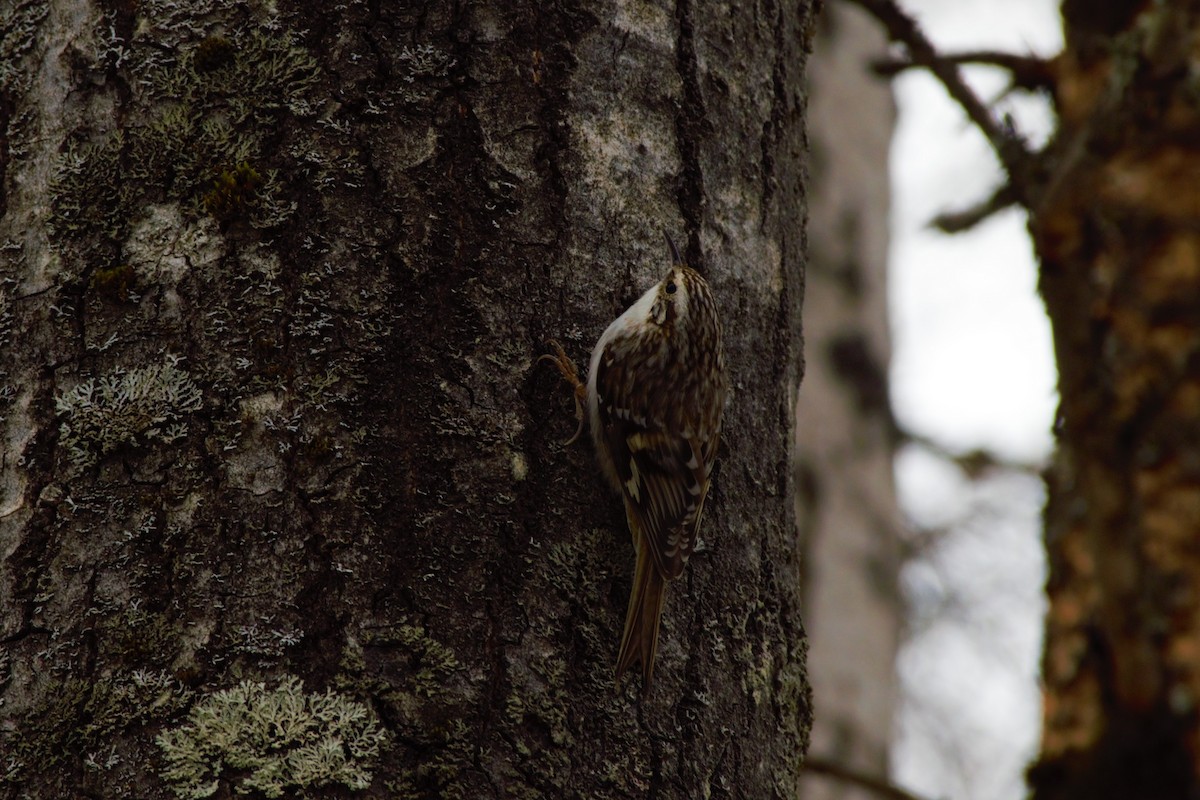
[(846, 504), (283, 504), (1116, 231)]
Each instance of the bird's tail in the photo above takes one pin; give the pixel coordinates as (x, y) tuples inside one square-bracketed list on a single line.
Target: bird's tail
[(640, 641)]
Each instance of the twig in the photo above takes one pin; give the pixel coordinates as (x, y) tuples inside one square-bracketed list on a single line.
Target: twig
[(959, 221), (1028, 72), (879, 786), (974, 463)]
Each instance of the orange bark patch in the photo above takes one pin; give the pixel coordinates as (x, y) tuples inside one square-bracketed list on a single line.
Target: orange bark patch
[(1183, 653), (1171, 345), (1174, 268), (1078, 556), (1162, 184), (1185, 400), (1078, 89), (1169, 527), (1064, 656), (1072, 717), (1144, 359)]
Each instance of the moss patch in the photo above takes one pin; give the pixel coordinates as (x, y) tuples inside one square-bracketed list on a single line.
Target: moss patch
[(233, 191), (113, 282)]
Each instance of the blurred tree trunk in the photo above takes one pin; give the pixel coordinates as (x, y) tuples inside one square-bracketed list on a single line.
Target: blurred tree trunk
[(847, 507), (1115, 218), (1117, 229), (273, 280)]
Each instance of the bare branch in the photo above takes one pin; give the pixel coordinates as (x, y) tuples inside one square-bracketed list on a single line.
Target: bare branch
[(879, 786), (959, 221), (1029, 73), (1009, 148)]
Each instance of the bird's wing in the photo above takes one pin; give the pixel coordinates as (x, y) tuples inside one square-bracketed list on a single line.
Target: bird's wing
[(663, 475)]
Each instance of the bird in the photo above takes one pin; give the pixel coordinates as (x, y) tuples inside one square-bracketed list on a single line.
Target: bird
[(655, 398)]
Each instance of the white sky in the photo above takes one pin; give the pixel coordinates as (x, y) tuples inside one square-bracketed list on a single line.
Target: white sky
[(972, 367), (972, 363)]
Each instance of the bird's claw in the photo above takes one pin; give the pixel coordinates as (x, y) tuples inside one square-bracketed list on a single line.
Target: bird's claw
[(566, 368)]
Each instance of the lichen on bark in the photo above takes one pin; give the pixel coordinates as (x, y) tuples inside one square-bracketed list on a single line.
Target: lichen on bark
[(364, 496)]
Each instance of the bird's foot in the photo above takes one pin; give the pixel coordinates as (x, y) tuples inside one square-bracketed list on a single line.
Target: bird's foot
[(566, 368)]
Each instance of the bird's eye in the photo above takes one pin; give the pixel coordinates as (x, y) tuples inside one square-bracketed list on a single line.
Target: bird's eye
[(670, 287)]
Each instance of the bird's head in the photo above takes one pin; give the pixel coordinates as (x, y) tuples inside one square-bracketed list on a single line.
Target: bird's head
[(674, 293)]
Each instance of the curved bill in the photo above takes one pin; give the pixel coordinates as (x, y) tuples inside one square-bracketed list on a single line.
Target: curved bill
[(676, 258)]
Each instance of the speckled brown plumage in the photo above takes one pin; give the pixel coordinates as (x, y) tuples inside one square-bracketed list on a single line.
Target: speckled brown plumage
[(661, 390)]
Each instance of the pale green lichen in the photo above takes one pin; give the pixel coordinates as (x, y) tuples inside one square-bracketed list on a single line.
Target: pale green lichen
[(17, 38), (433, 663), (204, 120), (265, 642), (101, 414), (6, 316), (417, 65), (215, 106), (451, 753), (269, 740), (75, 715), (88, 193)]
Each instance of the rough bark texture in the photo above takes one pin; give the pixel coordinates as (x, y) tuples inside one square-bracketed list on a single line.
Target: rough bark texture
[(844, 432), (273, 280), (1116, 231)]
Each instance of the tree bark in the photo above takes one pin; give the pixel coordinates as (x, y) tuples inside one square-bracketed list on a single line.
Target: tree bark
[(1115, 230), (846, 503), (283, 504)]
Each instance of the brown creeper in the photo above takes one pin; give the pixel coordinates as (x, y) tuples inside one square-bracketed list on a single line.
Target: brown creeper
[(655, 394)]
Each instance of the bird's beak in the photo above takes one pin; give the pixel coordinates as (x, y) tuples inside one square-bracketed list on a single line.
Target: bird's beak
[(676, 260)]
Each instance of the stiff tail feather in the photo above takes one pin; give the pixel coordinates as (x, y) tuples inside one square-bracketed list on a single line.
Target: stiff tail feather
[(640, 641)]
